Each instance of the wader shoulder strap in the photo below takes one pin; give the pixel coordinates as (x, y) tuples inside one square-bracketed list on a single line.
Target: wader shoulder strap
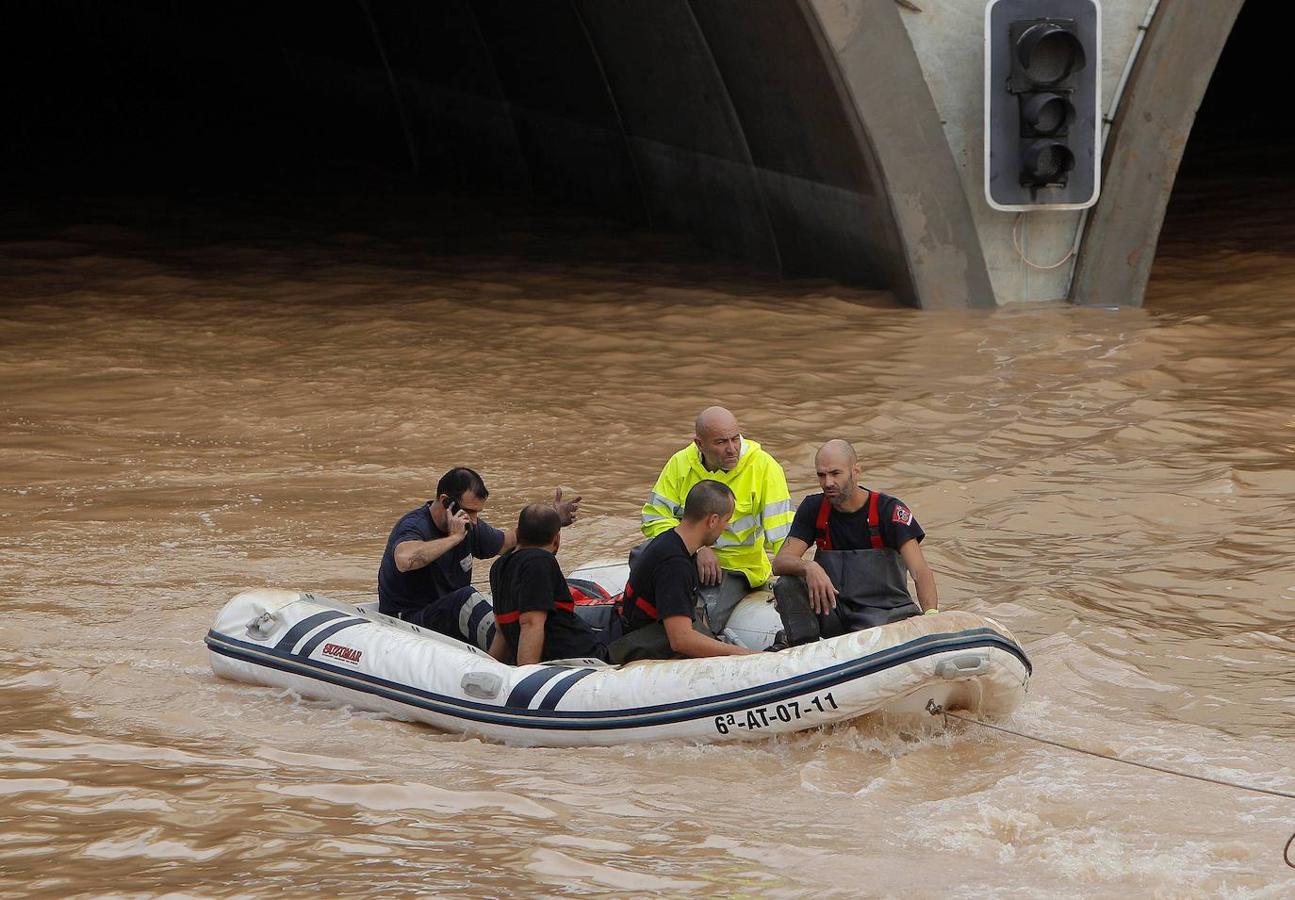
[(822, 534), (874, 522)]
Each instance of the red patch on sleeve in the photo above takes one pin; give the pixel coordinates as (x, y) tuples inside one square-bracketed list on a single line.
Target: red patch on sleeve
[(902, 515)]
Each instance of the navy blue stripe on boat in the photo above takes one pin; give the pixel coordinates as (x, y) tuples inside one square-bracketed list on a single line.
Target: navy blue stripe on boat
[(580, 720), (528, 687), (310, 645), (298, 631), (559, 690), (967, 639), (560, 719), (479, 613)]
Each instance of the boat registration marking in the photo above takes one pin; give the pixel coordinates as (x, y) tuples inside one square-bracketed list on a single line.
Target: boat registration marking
[(758, 717)]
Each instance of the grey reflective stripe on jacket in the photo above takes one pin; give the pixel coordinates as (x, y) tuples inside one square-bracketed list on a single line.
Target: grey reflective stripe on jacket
[(774, 535), (775, 508), (747, 523), (655, 499)]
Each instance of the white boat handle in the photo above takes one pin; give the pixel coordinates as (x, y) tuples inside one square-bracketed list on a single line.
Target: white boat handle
[(962, 666), (262, 626), (482, 685)]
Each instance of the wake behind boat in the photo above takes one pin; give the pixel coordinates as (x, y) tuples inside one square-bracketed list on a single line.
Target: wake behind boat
[(328, 650)]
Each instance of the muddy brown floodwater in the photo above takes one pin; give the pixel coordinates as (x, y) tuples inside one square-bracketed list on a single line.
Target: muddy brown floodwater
[(199, 401)]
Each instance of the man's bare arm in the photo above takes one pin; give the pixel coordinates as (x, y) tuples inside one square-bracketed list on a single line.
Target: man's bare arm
[(412, 555), (499, 646), (686, 640), (923, 577), (789, 561), (510, 541), (530, 646)]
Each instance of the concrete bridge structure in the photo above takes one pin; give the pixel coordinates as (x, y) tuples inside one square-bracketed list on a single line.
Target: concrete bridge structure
[(815, 138), (837, 138)]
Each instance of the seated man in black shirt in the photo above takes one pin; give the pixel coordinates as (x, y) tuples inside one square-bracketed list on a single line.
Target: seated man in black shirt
[(535, 618), (426, 571), (868, 543), (659, 608)]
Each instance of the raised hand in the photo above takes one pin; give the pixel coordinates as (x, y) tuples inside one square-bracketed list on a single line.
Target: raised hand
[(567, 509)]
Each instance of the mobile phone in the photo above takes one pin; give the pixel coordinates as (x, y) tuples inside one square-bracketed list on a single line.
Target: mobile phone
[(454, 509)]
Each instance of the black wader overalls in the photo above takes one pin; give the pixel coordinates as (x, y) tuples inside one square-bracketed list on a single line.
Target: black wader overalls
[(872, 585)]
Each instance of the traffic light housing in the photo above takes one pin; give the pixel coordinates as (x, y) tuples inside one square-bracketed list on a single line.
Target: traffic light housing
[(1042, 103)]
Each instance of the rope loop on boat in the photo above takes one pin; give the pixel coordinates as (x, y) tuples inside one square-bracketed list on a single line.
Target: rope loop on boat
[(936, 709)]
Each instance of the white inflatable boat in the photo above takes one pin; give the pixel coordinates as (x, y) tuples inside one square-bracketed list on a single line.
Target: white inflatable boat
[(328, 650)]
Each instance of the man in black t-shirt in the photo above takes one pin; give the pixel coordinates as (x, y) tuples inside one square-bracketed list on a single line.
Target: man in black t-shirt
[(535, 616), (867, 545), (426, 570), (659, 606)]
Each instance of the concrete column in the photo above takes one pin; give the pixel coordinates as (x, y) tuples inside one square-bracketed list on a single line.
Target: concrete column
[(897, 120), (948, 37), (1145, 147), (819, 181)]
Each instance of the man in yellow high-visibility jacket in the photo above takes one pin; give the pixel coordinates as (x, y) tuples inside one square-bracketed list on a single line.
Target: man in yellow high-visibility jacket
[(761, 520)]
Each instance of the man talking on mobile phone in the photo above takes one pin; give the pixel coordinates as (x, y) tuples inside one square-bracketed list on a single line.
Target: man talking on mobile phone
[(426, 572)]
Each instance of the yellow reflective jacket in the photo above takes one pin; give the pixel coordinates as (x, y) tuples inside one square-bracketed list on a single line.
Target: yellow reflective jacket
[(762, 516)]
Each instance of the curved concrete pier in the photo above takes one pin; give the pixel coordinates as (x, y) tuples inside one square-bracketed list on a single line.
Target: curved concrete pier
[(1144, 149)]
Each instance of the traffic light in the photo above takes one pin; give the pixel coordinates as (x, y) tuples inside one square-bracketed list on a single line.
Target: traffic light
[(1043, 61)]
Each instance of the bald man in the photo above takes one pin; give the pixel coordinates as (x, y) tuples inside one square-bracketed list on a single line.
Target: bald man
[(867, 545), (761, 519)]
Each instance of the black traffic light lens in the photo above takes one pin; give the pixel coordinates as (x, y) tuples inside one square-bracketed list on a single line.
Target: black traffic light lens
[(1049, 53), (1046, 162), (1045, 114)]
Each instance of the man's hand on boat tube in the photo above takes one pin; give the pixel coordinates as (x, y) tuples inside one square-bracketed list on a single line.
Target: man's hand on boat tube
[(708, 570), (822, 594), (567, 509)]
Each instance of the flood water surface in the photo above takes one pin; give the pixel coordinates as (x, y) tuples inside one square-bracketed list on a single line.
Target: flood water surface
[(203, 404)]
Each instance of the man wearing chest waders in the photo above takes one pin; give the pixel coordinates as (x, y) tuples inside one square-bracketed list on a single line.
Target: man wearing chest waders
[(659, 609), (868, 544)]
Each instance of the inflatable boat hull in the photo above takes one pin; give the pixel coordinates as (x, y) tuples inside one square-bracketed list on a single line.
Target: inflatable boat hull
[(327, 650)]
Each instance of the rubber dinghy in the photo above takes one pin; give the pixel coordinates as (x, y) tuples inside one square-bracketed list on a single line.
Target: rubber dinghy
[(328, 650)]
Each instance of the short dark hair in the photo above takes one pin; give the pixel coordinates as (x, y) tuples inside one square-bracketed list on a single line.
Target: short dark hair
[(707, 498), (458, 481), (538, 524)]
